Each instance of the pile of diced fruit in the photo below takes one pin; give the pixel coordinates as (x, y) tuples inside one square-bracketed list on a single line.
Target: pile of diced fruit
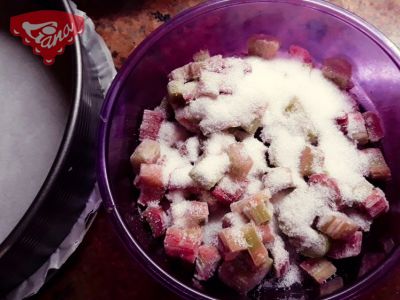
[(260, 165)]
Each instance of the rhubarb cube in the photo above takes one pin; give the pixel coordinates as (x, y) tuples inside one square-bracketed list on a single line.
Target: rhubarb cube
[(233, 239), (339, 71), (329, 185), (229, 190), (150, 125), (240, 160), (342, 124), (256, 248), (254, 207), (183, 243), (356, 129), (157, 220), (375, 204), (278, 179), (346, 248), (265, 232), (311, 161), (209, 170), (186, 119), (337, 226), (301, 53), (319, 269), (263, 46), (150, 176), (189, 213), (207, 262), (241, 274), (374, 126), (149, 195), (377, 167), (331, 286), (148, 152)]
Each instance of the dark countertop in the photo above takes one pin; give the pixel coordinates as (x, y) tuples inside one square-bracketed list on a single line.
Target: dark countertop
[(101, 268)]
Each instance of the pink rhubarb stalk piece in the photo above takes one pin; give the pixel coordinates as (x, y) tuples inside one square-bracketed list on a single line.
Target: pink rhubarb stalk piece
[(318, 268), (183, 243), (263, 46), (150, 125), (374, 126)]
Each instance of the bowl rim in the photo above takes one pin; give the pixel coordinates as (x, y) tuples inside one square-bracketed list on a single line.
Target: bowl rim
[(163, 277)]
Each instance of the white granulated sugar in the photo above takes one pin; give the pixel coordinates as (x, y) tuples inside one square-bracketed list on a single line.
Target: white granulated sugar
[(179, 178), (278, 179), (171, 160), (292, 276), (178, 212), (229, 185), (210, 232), (254, 186), (192, 145), (363, 222), (175, 196), (297, 211), (210, 169), (256, 150), (217, 143), (171, 132)]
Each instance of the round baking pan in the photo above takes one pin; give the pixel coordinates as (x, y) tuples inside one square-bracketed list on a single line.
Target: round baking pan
[(70, 177)]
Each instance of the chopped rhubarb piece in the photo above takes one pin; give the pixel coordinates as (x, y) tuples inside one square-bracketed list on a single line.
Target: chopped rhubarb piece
[(150, 176), (181, 74), (149, 195), (233, 239), (374, 126), (183, 243), (148, 152), (318, 268), (254, 207), (377, 167), (369, 262), (278, 179), (229, 190), (301, 53), (212, 202), (265, 232), (233, 219), (339, 71), (375, 204), (190, 148), (187, 120), (263, 46), (356, 129), (191, 213), (207, 262), (252, 127), (330, 186), (346, 248), (201, 55), (342, 123), (240, 160), (311, 161), (241, 274), (171, 133), (150, 125), (209, 170), (256, 248), (331, 286), (157, 219), (337, 226)]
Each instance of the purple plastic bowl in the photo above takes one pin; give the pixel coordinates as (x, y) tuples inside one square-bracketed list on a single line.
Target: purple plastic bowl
[(223, 27)]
